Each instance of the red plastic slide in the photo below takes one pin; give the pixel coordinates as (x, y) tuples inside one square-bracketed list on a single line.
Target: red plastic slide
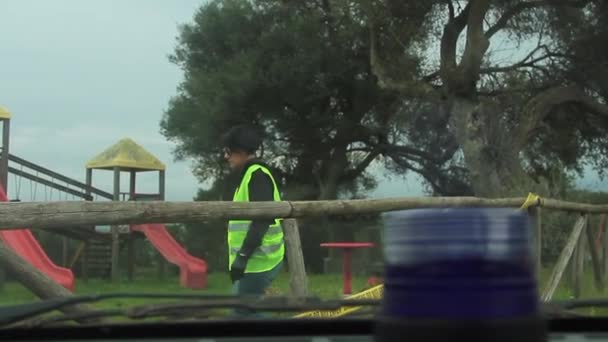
[(23, 242), (193, 271)]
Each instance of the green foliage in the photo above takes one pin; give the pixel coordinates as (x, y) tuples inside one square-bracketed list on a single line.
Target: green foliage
[(325, 286), (301, 71), (586, 196)]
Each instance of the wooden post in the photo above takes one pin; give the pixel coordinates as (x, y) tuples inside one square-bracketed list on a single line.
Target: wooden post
[(131, 252), (604, 226), (2, 278), (600, 234), (162, 267), (595, 259), (5, 152), (573, 265), (89, 181), (84, 263), (4, 176), (64, 256), (115, 237), (161, 184), (563, 259), (298, 283), (535, 214), (77, 254), (131, 238), (331, 252), (132, 187), (579, 273), (539, 238)]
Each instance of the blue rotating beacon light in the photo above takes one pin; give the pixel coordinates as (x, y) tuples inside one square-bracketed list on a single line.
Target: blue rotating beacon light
[(459, 274)]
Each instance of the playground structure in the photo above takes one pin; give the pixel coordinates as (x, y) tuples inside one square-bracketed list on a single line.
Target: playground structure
[(23, 242), (98, 253)]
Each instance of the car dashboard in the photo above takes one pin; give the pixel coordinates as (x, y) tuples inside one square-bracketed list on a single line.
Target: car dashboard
[(341, 330)]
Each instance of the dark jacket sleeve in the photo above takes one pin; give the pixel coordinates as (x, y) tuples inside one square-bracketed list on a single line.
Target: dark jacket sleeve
[(260, 189)]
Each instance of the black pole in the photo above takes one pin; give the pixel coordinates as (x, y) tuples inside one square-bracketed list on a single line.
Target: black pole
[(4, 175), (115, 237), (131, 238), (5, 152)]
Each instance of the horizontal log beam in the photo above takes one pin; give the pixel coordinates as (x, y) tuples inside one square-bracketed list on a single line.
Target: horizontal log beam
[(573, 206), (59, 214)]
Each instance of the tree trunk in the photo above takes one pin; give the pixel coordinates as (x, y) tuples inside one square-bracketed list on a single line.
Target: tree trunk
[(335, 168), (490, 155)]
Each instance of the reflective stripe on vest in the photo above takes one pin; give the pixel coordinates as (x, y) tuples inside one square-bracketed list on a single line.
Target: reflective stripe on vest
[(262, 250), (243, 227), (272, 249)]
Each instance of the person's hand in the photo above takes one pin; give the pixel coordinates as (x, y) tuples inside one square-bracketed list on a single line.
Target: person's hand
[(238, 267)]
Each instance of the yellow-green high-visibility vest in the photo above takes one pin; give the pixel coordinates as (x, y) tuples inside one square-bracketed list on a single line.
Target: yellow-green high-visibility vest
[(270, 253)]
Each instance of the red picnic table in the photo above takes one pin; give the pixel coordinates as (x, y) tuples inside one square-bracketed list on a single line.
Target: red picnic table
[(347, 248)]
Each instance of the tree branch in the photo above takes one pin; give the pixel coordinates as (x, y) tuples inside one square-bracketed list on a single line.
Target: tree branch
[(542, 105), (446, 184), (449, 41), (384, 80), (460, 21), (421, 157), (377, 68), (407, 165), (522, 6), (406, 151), (357, 170), (592, 106), (430, 77), (503, 91), (437, 178), (476, 45), (359, 149), (520, 64), (450, 8)]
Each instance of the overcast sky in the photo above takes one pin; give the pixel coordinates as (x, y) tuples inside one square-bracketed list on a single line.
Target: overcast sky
[(80, 75)]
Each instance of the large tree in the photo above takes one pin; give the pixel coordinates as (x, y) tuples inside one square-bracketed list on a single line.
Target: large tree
[(299, 69), (457, 109), (505, 126)]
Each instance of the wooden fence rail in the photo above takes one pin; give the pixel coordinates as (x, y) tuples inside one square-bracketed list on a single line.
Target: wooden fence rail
[(563, 259), (62, 214)]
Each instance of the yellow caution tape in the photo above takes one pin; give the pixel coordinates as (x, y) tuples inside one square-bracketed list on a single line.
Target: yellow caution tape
[(373, 293), (532, 200)]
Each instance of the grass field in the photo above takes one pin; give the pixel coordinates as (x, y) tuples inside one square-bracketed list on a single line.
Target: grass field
[(325, 286)]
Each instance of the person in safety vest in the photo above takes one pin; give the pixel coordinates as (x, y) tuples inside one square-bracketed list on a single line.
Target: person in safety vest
[(255, 247)]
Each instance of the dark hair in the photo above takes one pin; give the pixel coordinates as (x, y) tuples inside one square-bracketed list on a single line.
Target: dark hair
[(245, 138)]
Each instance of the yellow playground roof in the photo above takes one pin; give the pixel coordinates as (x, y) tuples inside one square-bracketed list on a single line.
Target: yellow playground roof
[(4, 113), (127, 155)]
